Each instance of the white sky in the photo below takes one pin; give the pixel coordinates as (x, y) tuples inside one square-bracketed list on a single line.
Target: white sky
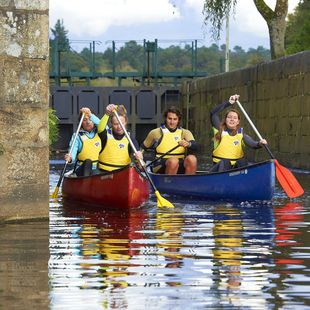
[(106, 20)]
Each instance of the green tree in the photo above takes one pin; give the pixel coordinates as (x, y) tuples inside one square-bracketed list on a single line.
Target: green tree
[(297, 37), (216, 11), (58, 44), (61, 36)]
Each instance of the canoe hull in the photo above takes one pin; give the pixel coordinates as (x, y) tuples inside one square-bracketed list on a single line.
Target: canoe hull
[(123, 189), (255, 182)]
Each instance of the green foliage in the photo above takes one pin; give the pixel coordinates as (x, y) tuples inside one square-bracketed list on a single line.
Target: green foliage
[(180, 58), (215, 13), (61, 35), (297, 36), (53, 126)]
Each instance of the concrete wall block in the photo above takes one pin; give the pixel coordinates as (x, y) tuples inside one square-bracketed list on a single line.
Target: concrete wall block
[(305, 105), (282, 106), (305, 127), (295, 85), (306, 83), (286, 143), (305, 63), (304, 146), (293, 126), (292, 65), (24, 149), (25, 82), (31, 4), (30, 127), (303, 162), (273, 109), (260, 89), (271, 70), (294, 106), (24, 34)]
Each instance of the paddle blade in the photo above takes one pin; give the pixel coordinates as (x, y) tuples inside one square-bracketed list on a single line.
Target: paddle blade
[(162, 202), (55, 193), (288, 182)]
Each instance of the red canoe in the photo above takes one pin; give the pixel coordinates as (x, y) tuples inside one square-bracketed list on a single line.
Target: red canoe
[(124, 189)]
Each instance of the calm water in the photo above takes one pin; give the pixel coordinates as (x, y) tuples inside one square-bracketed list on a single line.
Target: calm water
[(195, 256)]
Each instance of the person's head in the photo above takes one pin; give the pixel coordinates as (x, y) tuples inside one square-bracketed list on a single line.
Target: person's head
[(232, 119), (87, 124), (172, 117), (116, 127)]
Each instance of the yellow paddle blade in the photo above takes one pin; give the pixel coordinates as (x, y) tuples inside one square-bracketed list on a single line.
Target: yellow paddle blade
[(162, 202), (55, 193)]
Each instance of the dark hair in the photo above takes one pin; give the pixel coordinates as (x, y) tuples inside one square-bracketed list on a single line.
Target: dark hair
[(174, 110), (223, 125)]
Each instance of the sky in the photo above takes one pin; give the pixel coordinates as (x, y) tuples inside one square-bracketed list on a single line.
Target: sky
[(169, 21)]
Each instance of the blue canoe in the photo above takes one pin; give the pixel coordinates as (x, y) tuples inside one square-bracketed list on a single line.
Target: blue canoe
[(252, 183)]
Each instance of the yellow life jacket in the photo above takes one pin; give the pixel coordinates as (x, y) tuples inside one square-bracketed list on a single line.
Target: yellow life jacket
[(230, 147), (115, 153), (90, 149), (168, 141)]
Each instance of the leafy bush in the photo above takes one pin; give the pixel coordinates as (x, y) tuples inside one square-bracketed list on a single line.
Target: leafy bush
[(53, 126)]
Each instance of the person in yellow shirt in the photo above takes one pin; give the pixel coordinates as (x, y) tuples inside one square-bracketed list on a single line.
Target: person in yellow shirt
[(170, 134), (116, 151), (87, 146), (229, 138)]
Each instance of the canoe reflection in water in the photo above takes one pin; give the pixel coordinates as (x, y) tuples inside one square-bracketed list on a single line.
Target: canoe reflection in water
[(227, 251), (111, 237)]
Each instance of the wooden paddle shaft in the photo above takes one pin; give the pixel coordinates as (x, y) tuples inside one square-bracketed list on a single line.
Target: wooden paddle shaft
[(135, 150), (76, 133), (254, 128), (249, 120)]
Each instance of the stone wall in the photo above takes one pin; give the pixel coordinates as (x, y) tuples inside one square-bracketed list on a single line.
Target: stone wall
[(276, 96), (24, 149)]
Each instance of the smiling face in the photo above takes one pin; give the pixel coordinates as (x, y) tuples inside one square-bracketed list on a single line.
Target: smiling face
[(172, 121), (232, 120)]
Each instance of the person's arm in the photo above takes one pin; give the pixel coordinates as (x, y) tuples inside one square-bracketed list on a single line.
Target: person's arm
[(75, 149), (104, 120), (215, 120), (188, 140), (103, 123), (152, 139), (95, 119), (135, 143), (254, 144)]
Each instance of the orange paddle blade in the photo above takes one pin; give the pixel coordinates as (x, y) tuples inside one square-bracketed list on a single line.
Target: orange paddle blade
[(288, 182)]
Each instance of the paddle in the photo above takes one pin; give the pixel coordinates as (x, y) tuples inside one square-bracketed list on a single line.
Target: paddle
[(287, 180), (55, 193), (161, 202), (161, 156)]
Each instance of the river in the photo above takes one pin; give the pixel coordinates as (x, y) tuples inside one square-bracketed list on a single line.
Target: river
[(194, 256)]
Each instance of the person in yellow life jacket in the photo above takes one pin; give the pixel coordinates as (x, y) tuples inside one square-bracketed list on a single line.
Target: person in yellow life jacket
[(116, 151), (162, 139), (87, 146), (229, 138)]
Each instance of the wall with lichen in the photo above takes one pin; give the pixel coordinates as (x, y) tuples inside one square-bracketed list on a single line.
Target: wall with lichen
[(24, 87), (276, 95)]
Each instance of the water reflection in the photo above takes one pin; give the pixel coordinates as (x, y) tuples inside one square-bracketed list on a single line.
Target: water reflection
[(195, 255), (23, 265)]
